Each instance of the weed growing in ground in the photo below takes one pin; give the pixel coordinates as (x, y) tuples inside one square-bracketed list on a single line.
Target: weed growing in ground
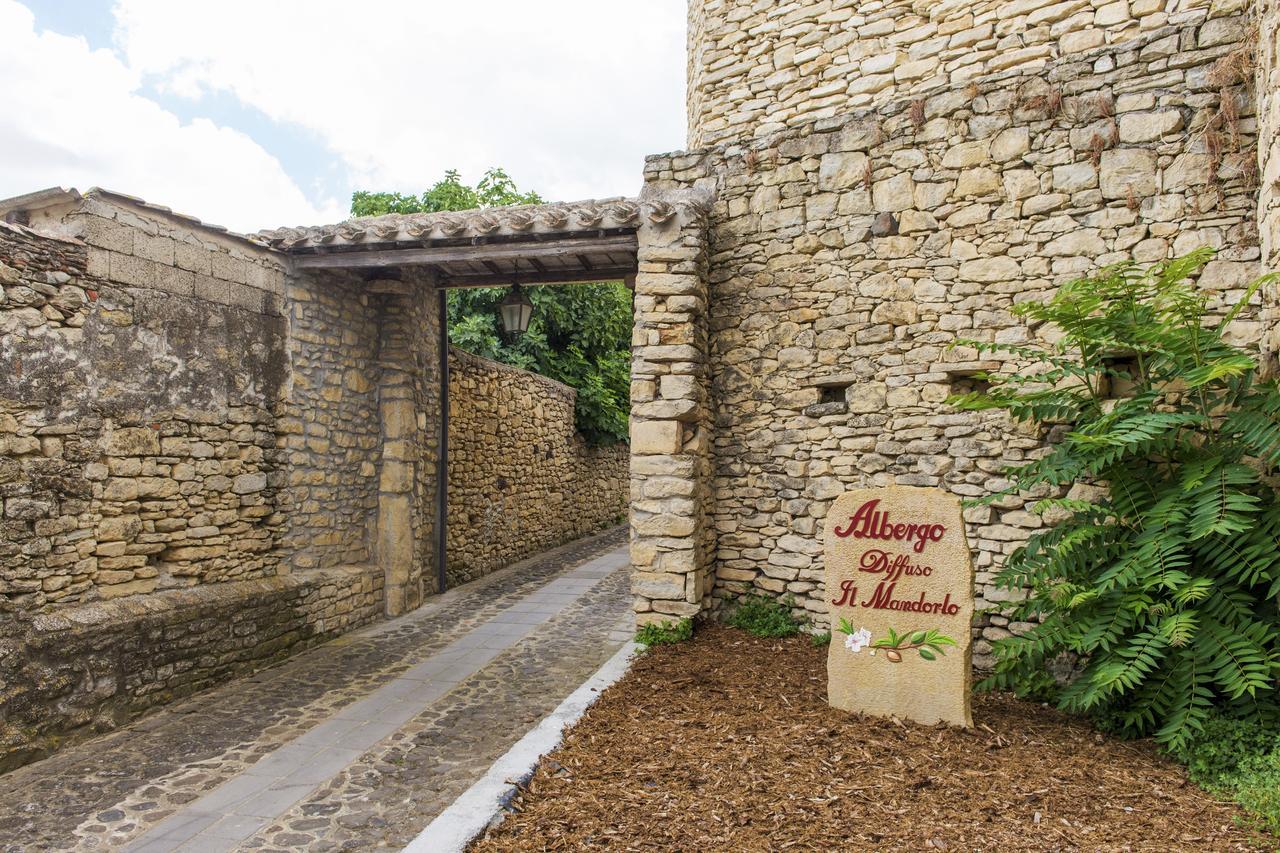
[(1238, 759), (655, 634), (766, 617), (820, 640)]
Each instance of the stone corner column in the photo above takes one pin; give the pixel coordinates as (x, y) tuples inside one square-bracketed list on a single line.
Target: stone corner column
[(671, 537), (400, 525)]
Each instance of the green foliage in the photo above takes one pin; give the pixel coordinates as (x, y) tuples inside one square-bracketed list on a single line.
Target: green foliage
[(1166, 587), (766, 617), (579, 335), (820, 640), (495, 189), (1214, 756), (1241, 759), (655, 634), (1258, 789)]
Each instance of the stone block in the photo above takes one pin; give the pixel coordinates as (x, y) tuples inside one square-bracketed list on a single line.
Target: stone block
[(1149, 127), (119, 528), (894, 193), (133, 441), (1128, 170), (842, 170), (655, 437), (129, 269), (153, 247), (193, 257), (229, 268), (245, 484), (107, 234), (1074, 177), (660, 585), (1001, 269)]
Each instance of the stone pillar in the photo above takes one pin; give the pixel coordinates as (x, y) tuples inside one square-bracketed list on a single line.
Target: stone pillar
[(671, 544), (407, 388), (1267, 89)]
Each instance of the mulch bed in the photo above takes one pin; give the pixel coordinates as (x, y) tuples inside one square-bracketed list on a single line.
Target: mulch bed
[(726, 743)]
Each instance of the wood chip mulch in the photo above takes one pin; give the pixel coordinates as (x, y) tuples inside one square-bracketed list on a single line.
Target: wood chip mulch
[(726, 742)]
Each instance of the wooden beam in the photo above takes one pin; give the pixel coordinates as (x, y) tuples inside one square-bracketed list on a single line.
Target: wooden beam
[(537, 264), (585, 261), (558, 277), (525, 250), (492, 267)]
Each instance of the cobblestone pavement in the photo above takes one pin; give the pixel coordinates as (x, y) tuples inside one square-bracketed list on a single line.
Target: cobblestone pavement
[(114, 790)]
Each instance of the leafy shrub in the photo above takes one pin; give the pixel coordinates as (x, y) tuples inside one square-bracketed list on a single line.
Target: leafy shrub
[(1241, 759), (766, 617), (1166, 585), (668, 633), (1214, 757)]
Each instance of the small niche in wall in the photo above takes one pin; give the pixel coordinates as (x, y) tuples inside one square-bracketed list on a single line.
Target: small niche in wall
[(1119, 379), (969, 377), (971, 384), (831, 395)]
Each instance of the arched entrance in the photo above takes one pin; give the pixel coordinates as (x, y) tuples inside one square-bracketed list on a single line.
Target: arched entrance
[(658, 244)]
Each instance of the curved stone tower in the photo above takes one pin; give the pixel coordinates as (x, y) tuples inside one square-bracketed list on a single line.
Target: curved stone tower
[(757, 66)]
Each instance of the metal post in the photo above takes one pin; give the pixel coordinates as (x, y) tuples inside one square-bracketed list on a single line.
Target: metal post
[(442, 461)]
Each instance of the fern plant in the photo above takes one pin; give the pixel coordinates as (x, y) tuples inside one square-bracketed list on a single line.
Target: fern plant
[(1166, 586)]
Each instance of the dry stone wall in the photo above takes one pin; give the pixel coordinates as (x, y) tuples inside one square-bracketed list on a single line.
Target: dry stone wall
[(847, 256), (757, 67), (1266, 63), (193, 457), (138, 417), (521, 479), (329, 424)]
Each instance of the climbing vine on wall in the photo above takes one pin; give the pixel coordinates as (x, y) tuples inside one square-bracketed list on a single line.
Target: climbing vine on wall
[(580, 334)]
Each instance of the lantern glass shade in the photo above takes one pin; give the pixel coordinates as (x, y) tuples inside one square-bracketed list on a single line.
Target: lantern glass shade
[(515, 311)]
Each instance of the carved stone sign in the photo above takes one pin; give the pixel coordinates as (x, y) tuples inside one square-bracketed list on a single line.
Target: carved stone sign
[(900, 590)]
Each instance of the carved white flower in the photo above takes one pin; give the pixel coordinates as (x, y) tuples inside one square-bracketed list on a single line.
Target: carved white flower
[(857, 641)]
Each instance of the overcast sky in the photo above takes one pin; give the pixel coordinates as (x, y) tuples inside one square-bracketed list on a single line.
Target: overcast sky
[(258, 113)]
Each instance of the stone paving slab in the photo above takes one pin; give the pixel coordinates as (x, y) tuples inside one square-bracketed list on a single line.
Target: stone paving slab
[(394, 790), (302, 723)]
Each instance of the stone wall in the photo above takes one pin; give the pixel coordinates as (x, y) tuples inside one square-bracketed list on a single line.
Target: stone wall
[(74, 672), (846, 256), (1266, 63), (757, 67), (672, 539), (138, 416), (206, 462), (521, 479)]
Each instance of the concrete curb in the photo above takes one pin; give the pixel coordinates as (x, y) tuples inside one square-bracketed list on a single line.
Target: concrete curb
[(481, 805)]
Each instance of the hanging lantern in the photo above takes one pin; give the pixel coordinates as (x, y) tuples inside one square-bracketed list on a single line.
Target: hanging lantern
[(515, 311)]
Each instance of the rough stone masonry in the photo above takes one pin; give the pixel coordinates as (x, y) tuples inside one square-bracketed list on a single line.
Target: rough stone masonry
[(188, 424), (208, 462), (888, 178)]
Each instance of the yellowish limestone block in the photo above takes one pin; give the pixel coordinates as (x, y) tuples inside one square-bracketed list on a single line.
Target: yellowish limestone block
[(900, 588)]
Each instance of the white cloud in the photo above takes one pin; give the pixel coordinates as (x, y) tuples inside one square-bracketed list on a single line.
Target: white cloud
[(71, 116), (567, 95)]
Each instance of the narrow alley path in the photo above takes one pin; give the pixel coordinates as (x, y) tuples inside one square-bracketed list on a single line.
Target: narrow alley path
[(357, 743)]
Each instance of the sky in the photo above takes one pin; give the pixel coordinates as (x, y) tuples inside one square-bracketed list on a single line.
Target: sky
[(260, 113)]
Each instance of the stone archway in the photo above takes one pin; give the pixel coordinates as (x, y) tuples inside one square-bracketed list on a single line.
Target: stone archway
[(659, 241)]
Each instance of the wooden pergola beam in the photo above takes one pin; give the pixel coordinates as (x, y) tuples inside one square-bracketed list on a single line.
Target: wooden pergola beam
[(554, 277), (522, 250)]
